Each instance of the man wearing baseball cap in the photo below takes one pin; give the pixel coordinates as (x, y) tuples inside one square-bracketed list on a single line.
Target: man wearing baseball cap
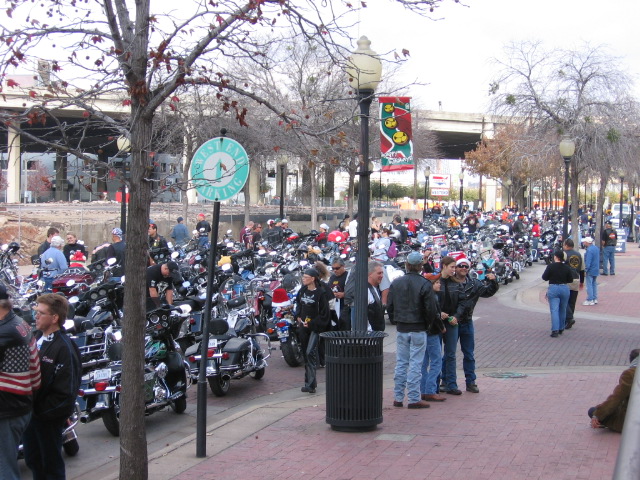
[(117, 250), (159, 275), (412, 305), (609, 241), (203, 228)]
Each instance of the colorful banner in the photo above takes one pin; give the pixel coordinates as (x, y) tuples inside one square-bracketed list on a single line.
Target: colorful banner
[(396, 145)]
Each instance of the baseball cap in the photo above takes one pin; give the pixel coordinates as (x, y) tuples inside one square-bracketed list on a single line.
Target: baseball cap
[(463, 260), (180, 219), (608, 222), (117, 232), (415, 258), (312, 272), (587, 240), (174, 269), (270, 221), (3, 293), (325, 226), (284, 220)]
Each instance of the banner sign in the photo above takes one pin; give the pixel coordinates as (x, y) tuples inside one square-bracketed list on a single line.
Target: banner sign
[(396, 145), (440, 180)]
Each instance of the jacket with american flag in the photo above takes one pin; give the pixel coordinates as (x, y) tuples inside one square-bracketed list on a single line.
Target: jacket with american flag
[(19, 367)]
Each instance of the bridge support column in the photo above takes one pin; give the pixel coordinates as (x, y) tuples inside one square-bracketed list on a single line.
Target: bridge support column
[(254, 185), (14, 166)]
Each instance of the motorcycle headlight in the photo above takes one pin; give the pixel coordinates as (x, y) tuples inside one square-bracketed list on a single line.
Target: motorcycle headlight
[(154, 319)]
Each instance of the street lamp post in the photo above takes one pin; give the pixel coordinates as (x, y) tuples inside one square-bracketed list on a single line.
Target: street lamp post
[(567, 149), (461, 177), (282, 163), (124, 145), (427, 173), (508, 184), (364, 70)]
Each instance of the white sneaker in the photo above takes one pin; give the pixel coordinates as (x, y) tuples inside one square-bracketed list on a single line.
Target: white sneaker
[(595, 302), (588, 303)]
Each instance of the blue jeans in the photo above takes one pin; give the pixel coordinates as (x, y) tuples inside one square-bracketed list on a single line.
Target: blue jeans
[(431, 365), (43, 449), (592, 287), (408, 373), (609, 260), (11, 430), (467, 345), (449, 361), (558, 296)]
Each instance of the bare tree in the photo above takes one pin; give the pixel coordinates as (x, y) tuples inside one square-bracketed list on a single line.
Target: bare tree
[(582, 93)]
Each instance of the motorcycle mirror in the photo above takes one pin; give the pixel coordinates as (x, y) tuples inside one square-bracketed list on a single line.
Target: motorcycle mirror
[(73, 299), (174, 255), (186, 284), (111, 261), (170, 244), (185, 308), (70, 283)]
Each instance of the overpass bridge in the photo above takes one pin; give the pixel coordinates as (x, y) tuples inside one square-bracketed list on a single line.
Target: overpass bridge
[(456, 134)]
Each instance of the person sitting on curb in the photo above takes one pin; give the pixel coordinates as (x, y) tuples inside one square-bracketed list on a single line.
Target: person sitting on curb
[(612, 411)]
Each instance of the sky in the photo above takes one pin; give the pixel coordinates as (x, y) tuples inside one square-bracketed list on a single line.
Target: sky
[(453, 55)]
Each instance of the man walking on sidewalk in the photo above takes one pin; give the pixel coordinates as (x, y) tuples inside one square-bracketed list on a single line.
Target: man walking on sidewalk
[(591, 270), (572, 258)]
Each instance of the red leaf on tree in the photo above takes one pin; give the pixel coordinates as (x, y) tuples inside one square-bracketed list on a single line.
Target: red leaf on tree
[(276, 149), (126, 103), (405, 52), (219, 19), (175, 99), (173, 107), (32, 94), (86, 114), (12, 83)]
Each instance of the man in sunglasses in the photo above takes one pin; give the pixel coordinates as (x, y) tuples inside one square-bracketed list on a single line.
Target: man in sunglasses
[(336, 284), (472, 290)]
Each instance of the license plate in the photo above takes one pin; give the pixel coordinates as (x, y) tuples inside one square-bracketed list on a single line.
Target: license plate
[(213, 343), (104, 374)]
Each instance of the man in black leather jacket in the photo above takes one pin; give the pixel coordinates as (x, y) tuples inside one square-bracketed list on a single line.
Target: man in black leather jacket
[(412, 305), (61, 374), (470, 291)]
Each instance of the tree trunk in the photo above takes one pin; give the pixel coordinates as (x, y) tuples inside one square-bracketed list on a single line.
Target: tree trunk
[(329, 184), (133, 442)]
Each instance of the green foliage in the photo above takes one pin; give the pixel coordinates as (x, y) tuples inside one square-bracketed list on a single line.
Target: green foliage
[(510, 99)]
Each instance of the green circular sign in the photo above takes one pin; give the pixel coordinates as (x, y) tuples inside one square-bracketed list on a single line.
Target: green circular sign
[(219, 169)]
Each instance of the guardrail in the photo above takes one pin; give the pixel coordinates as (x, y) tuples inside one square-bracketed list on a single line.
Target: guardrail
[(628, 461)]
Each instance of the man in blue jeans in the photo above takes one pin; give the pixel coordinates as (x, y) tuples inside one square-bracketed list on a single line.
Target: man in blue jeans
[(609, 241), (471, 291), (412, 305)]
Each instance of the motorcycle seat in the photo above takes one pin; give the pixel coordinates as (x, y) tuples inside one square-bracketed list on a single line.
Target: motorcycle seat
[(237, 344)]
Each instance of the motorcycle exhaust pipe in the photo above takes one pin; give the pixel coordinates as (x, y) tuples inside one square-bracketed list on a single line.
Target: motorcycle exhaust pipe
[(226, 377), (85, 418)]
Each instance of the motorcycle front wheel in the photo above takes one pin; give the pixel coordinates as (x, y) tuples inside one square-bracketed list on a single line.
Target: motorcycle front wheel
[(292, 352), (218, 386), (111, 422), (71, 448)]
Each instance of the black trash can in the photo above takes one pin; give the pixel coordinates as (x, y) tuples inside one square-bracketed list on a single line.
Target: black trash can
[(354, 379)]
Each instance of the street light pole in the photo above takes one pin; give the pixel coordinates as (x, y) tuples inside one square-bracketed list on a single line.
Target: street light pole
[(427, 173), (461, 177), (567, 149), (621, 192), (364, 71), (124, 145), (282, 163)]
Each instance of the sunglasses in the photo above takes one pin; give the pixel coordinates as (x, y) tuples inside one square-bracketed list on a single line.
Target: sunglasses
[(466, 267)]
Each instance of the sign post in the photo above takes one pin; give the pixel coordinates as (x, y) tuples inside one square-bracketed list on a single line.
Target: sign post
[(219, 170)]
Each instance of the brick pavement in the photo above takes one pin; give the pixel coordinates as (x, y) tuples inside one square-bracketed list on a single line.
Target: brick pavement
[(533, 427)]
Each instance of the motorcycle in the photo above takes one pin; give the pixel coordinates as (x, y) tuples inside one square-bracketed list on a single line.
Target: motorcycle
[(166, 373), (287, 329), (233, 351), (70, 444)]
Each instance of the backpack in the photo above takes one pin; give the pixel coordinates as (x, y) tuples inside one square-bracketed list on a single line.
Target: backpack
[(392, 251)]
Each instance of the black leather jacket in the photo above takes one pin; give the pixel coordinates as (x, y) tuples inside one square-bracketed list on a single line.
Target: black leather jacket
[(472, 290), (412, 300)]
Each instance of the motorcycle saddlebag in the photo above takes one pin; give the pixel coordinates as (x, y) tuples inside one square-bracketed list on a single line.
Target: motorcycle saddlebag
[(173, 361), (234, 348)]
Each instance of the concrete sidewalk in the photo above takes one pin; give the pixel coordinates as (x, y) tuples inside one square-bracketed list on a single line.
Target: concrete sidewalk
[(531, 423)]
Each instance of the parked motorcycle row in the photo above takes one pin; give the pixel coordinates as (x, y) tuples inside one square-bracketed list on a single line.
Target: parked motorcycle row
[(251, 308)]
